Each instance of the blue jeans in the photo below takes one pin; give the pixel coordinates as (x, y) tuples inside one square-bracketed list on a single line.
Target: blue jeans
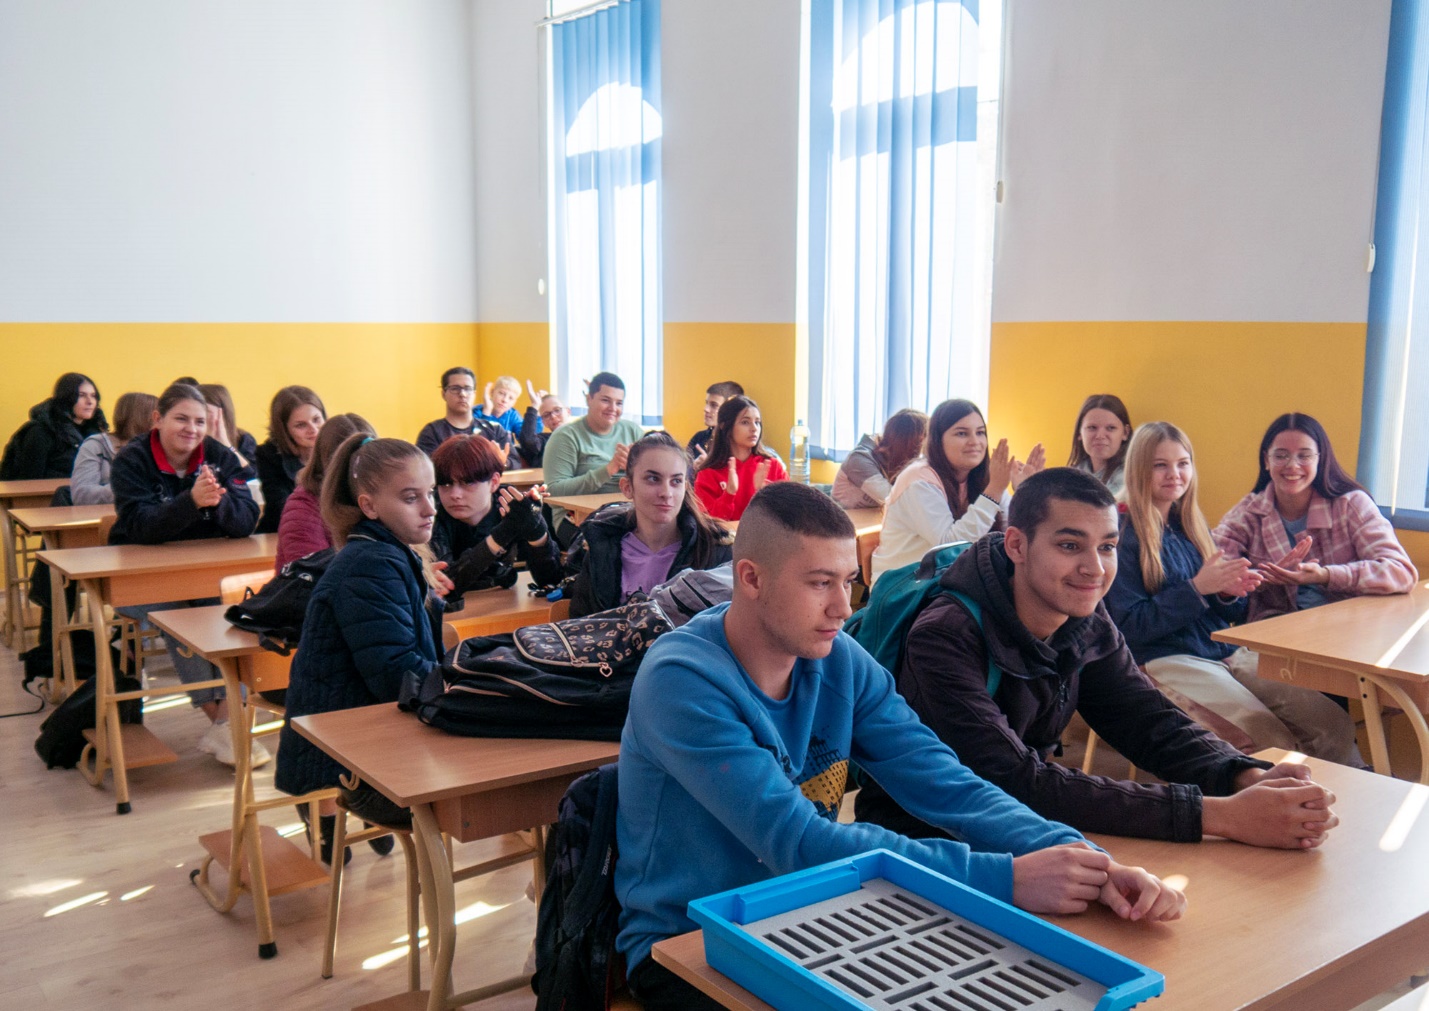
[(190, 669)]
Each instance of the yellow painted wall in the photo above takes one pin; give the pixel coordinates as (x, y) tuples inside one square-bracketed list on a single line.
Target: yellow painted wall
[(387, 372), (522, 350), (758, 356), (1221, 382)]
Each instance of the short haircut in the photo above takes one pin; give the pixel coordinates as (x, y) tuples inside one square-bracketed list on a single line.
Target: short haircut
[(784, 508), (466, 459), (728, 388), (1068, 484), (459, 370), (510, 382), (606, 379)]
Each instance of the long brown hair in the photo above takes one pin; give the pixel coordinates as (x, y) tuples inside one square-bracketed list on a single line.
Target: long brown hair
[(709, 532), (945, 416), (334, 433), (1103, 402), (1331, 480), (218, 396), (1141, 510), (285, 402), (133, 416), (902, 440), (722, 444)]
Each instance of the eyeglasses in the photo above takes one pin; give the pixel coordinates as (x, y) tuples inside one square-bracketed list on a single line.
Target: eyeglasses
[(1280, 458), (464, 391), (554, 412)]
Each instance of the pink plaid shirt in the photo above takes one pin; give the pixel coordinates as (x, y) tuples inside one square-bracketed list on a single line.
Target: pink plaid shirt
[(1349, 536)]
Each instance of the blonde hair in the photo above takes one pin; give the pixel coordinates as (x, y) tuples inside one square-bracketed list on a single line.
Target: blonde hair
[(510, 382), (1141, 508), (359, 466)]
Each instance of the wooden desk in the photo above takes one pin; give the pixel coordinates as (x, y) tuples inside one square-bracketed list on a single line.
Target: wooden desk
[(1365, 646), (262, 863), (524, 477), (20, 495), (141, 574), (471, 787), (578, 507), (1266, 929)]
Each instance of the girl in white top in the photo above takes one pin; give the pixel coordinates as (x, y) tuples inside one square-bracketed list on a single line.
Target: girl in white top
[(956, 492)]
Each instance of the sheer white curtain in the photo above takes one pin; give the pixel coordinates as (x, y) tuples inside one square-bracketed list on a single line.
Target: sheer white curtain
[(604, 183), (899, 231)]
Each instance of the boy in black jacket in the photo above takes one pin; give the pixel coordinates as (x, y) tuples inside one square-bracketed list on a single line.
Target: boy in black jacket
[(1040, 587)]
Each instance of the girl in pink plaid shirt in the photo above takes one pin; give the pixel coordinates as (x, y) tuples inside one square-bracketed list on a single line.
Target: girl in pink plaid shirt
[(1310, 529)]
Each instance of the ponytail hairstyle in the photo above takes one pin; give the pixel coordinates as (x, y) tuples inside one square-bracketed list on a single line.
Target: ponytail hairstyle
[(218, 396), (709, 532), (177, 393), (466, 459), (1104, 402), (333, 434), (133, 416), (722, 445), (1141, 508), (945, 416), (902, 440), (1331, 480), (285, 402)]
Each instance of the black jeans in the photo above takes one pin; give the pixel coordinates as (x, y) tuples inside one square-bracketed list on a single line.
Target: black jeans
[(659, 989)]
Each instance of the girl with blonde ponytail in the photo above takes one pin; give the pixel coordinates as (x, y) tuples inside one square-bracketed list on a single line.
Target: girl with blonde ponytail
[(1174, 588)]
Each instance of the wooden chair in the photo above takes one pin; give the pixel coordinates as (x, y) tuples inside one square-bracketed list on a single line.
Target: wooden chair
[(560, 610), (136, 644), (231, 589), (1092, 741)]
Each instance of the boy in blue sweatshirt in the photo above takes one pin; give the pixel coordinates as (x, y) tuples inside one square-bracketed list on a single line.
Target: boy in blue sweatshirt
[(742, 726), (497, 404)]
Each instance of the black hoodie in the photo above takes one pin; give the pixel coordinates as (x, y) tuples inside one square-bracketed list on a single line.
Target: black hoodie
[(1007, 739), (44, 446)]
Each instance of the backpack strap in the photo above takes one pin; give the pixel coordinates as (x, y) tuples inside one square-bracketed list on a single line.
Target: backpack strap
[(994, 673)]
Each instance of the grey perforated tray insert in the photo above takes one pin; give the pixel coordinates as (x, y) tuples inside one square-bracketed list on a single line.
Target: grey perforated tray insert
[(893, 950)]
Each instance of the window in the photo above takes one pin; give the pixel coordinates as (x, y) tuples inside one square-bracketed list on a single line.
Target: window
[(603, 185), (1394, 436), (900, 112)]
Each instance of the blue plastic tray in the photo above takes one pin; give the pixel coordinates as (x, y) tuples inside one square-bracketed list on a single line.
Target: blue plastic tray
[(879, 931)]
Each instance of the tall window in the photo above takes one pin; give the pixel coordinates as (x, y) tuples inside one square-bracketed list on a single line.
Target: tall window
[(901, 119), (1394, 439), (603, 143)]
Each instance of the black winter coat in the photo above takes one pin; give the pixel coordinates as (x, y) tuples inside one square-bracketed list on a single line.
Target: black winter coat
[(154, 504), (1007, 738), (597, 585), (368, 624), (278, 475), (44, 446)]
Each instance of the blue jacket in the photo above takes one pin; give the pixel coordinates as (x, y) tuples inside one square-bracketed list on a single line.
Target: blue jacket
[(368, 623), (722, 786), (1177, 619)]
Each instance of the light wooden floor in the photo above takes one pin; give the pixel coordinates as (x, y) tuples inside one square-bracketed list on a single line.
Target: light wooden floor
[(96, 910)]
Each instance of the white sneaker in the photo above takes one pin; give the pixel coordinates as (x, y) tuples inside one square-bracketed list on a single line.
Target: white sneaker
[(220, 743), (258, 755)]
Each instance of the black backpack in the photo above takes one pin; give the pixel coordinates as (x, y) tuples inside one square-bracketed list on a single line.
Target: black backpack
[(568, 679), (61, 737), (275, 613), (577, 966)]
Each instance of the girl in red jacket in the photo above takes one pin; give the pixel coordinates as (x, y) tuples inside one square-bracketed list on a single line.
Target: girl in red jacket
[(738, 464)]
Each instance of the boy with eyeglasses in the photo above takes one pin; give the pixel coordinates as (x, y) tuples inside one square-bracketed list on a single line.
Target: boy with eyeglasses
[(459, 392)]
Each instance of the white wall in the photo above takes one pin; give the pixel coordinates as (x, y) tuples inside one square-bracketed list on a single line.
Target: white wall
[(262, 160), (730, 106), (1192, 161), (507, 70)]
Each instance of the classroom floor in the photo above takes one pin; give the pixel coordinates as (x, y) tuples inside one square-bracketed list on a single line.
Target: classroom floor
[(98, 910)]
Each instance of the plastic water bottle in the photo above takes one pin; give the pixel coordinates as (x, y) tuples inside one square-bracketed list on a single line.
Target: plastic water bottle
[(799, 452)]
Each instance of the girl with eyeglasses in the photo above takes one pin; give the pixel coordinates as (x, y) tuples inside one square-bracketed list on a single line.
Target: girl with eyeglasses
[(1310, 529)]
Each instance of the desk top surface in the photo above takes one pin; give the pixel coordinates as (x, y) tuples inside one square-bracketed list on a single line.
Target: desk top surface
[(524, 476), (26, 489), (141, 559), (1388, 635), (1260, 921), (38, 519), (413, 763)]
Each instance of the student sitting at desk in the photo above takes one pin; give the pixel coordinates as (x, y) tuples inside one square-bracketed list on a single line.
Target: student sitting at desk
[(497, 404), (45, 445), (742, 727), (1039, 590), (459, 392), (482, 528), (660, 532), (89, 483), (715, 396), (223, 426), (587, 456), (179, 485), (866, 477), (1310, 529), (546, 414), (301, 530), (1100, 438), (1173, 589), (738, 464), (372, 617), (295, 417)]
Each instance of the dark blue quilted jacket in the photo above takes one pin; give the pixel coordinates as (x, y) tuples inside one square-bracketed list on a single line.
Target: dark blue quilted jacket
[(368, 623)]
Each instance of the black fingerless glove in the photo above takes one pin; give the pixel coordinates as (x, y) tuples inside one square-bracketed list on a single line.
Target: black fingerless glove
[(508, 531), (531, 524)]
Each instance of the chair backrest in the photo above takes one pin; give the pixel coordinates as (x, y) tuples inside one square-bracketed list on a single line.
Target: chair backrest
[(867, 545), (560, 610), (451, 638), (231, 588), (106, 525)]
